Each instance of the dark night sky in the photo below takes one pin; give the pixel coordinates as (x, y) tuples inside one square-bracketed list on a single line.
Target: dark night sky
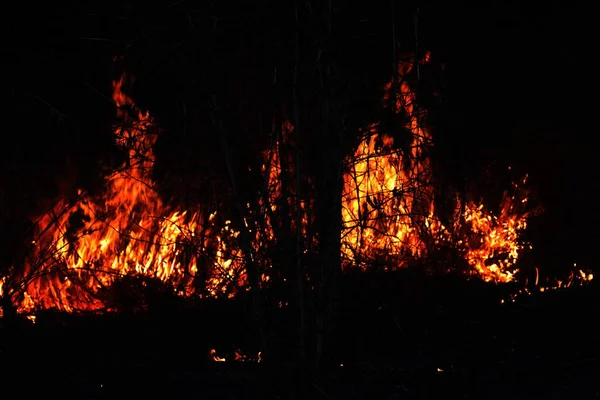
[(518, 90)]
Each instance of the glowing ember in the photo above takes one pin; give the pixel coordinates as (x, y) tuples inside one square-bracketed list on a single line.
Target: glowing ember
[(214, 357), (238, 357), (387, 200), (577, 277)]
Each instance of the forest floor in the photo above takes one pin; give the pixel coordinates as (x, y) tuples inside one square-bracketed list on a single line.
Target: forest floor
[(439, 339)]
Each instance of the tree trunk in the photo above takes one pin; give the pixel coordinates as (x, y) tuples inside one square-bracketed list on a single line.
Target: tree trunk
[(245, 241), (300, 273), (329, 199)]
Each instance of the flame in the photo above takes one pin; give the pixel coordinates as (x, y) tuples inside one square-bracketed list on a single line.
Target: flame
[(388, 195), (389, 203), (238, 356), (491, 245), (82, 247), (577, 277), (214, 357)]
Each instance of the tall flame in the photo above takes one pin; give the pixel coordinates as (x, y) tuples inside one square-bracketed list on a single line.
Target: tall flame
[(83, 247), (389, 203)]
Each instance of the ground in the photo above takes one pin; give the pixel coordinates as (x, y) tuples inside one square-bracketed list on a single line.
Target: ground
[(440, 339)]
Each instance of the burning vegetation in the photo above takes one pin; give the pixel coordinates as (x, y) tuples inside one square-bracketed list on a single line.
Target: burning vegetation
[(389, 204), (84, 246)]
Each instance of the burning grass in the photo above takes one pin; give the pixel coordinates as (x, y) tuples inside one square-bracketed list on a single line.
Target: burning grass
[(84, 247)]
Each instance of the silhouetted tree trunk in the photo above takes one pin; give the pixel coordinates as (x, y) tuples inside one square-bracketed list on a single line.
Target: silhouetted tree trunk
[(329, 190), (300, 273), (245, 241)]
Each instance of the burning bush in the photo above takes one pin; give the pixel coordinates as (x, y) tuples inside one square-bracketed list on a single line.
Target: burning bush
[(128, 248)]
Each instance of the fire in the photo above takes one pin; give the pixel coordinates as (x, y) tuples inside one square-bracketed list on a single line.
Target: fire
[(214, 357), (82, 247), (491, 245), (238, 357), (389, 203), (577, 277), (388, 195)]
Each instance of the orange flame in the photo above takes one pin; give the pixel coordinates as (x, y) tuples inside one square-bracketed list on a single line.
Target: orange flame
[(214, 357), (389, 205), (81, 248), (490, 243)]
